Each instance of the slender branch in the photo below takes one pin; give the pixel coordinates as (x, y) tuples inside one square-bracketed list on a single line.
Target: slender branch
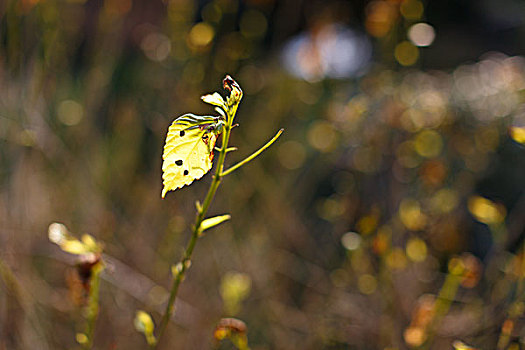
[(253, 155), (514, 310), (442, 306), (93, 306), (185, 262)]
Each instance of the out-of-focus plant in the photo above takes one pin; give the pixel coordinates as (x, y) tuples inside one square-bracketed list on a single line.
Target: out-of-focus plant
[(235, 287), (234, 330), (89, 266), (188, 155), (463, 271), (459, 345)]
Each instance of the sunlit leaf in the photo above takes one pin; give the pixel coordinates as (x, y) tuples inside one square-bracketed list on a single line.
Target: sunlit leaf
[(214, 99), (188, 151), (211, 222), (89, 242), (74, 246)]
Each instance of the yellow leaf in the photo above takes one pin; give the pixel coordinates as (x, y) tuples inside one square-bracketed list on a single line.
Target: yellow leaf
[(188, 151), (90, 242), (74, 246), (209, 223), (214, 99)]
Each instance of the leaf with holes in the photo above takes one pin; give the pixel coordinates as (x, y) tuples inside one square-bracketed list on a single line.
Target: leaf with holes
[(188, 151)]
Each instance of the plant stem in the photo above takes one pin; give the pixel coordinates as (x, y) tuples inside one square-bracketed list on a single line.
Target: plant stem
[(185, 262), (253, 155), (93, 306), (515, 308), (442, 305)]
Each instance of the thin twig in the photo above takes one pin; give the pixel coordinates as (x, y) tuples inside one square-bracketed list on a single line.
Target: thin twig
[(253, 155), (93, 306)]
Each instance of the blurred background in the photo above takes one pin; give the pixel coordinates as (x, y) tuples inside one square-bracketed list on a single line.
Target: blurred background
[(389, 215)]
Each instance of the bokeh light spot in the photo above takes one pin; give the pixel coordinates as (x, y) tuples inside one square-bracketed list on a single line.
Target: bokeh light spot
[(412, 9), (367, 284), (322, 136), (334, 51), (406, 53), (407, 155), (291, 154), (486, 211), (70, 112), (201, 35), (421, 34), (380, 18), (330, 208), (444, 200), (396, 259), (351, 240), (416, 249), (156, 46), (428, 143), (211, 13), (253, 24), (414, 336), (411, 215)]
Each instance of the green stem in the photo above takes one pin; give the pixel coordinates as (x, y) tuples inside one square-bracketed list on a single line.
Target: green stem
[(444, 300), (253, 155), (515, 309), (185, 262), (93, 306)]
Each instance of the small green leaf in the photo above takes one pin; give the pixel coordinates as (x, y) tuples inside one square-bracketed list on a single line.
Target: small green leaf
[(209, 223), (214, 99), (144, 324)]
